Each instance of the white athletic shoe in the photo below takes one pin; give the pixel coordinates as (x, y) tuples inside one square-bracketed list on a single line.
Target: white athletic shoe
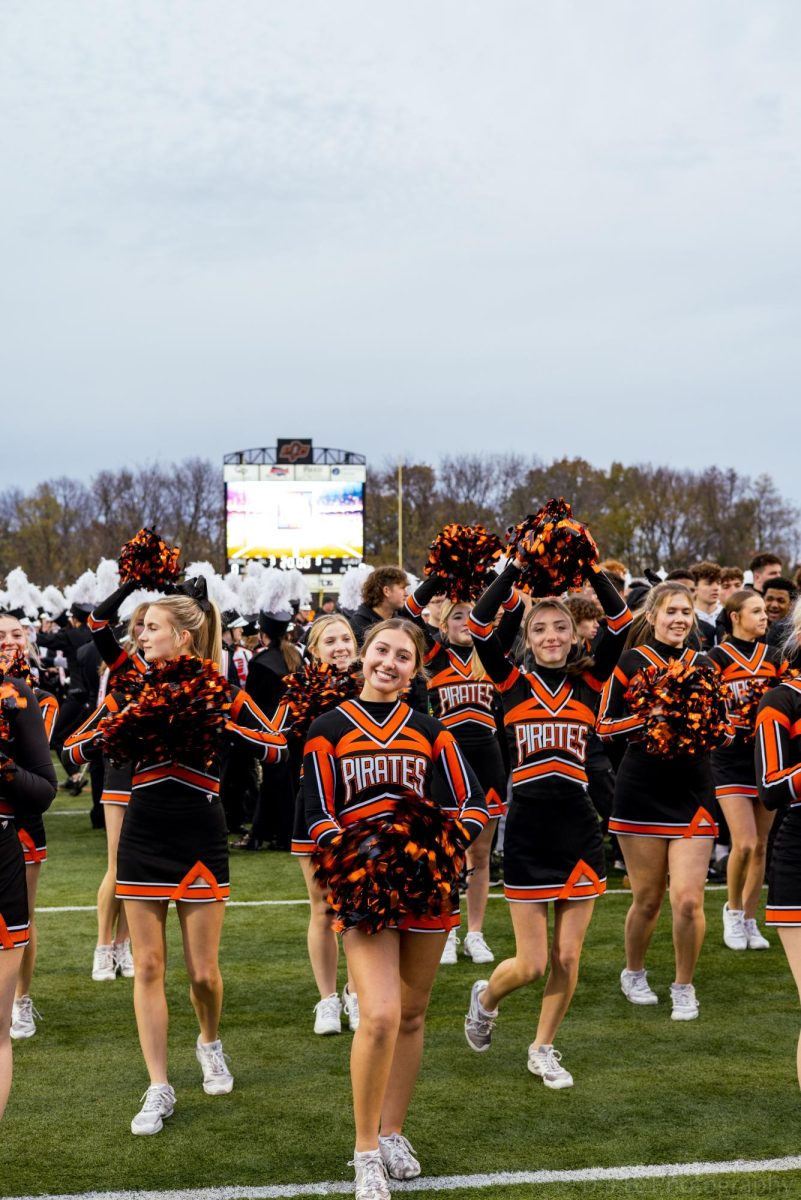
[(371, 1176), (159, 1103), (104, 968), (547, 1063), (217, 1079), (350, 1007), (399, 1156), (756, 939), (634, 986), (476, 948), (123, 958), (449, 952), (479, 1024), (734, 934), (685, 1004), (23, 1024), (328, 1015)]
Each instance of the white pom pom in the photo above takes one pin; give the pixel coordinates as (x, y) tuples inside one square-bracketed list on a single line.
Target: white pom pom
[(21, 593), (222, 593), (249, 589), (54, 602), (274, 591), (200, 568), (107, 577), (83, 590), (350, 592), (130, 603)]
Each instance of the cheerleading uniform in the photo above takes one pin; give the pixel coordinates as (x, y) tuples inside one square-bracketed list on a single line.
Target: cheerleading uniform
[(778, 771), (173, 844), (116, 779), (553, 846), (363, 756), (27, 787), (464, 704), (655, 796), (30, 829), (741, 665)]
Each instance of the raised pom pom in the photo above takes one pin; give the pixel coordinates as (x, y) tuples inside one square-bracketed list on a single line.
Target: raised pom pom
[(463, 557), (178, 715), (683, 706), (148, 561), (315, 689), (556, 549), (378, 871)]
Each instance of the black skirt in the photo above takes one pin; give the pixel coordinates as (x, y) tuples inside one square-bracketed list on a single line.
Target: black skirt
[(664, 797), (14, 924), (116, 784), (31, 833), (302, 845), (173, 850), (734, 770), (553, 849), (784, 876)]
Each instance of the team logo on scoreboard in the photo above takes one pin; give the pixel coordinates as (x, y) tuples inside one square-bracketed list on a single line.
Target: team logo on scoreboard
[(294, 450)]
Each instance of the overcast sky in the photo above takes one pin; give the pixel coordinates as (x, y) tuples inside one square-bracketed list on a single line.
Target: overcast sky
[(557, 226)]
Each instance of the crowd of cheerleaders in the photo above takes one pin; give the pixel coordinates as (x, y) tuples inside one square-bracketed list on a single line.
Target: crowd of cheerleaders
[(506, 662)]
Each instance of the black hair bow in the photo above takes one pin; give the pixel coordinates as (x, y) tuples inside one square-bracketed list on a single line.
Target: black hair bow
[(196, 589)]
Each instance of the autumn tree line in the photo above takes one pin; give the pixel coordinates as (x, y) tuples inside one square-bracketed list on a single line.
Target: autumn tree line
[(645, 515)]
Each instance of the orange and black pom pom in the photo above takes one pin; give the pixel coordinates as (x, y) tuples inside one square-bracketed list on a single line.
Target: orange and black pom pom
[(148, 561), (746, 711), (14, 663), (557, 550), (378, 871), (180, 713), (10, 700), (315, 689), (463, 556), (691, 708)]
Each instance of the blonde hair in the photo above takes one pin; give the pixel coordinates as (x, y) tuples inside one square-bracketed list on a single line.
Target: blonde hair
[(412, 632), (205, 628), (477, 669), (793, 642), (137, 615), (575, 665), (656, 598), (319, 627)]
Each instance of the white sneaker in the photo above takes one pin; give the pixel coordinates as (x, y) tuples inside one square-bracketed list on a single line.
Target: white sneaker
[(634, 986), (104, 968), (371, 1176), (159, 1103), (350, 1007), (123, 958), (734, 934), (685, 1004), (546, 1062), (476, 948), (756, 939), (217, 1079), (328, 1015), (399, 1156), (479, 1024), (449, 951), (23, 1013)]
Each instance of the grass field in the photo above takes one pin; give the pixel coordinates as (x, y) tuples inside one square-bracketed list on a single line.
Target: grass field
[(648, 1090)]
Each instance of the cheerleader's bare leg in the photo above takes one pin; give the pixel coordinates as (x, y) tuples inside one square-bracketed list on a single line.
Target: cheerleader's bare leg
[(322, 941), (756, 872), (647, 866), (688, 863), (110, 910), (10, 963), (530, 923), (478, 860), (201, 927), (571, 921), (791, 941), (147, 920), (374, 964), (749, 825), (32, 874), (419, 959)]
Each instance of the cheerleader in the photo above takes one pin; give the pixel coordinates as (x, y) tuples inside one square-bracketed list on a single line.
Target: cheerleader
[(749, 667), (778, 772), (464, 699), (553, 846), (360, 760), (173, 847), (662, 809), (330, 641), (112, 954), (31, 833), (27, 786)]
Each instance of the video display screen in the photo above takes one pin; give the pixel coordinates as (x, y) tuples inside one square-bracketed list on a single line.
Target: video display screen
[(312, 525)]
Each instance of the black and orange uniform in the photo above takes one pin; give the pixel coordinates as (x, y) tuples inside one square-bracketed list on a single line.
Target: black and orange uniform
[(173, 844), (778, 773), (362, 757), (655, 796), (741, 663), (116, 780), (30, 825), (76, 703), (27, 788), (465, 703), (553, 846)]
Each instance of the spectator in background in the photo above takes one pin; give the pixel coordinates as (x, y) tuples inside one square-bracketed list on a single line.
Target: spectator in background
[(731, 581), (763, 567), (383, 595), (779, 595), (707, 601)]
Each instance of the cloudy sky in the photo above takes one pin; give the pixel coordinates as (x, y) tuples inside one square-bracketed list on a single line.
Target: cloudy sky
[(560, 226)]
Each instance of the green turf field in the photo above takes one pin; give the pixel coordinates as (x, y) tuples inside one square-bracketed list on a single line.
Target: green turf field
[(647, 1090)]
